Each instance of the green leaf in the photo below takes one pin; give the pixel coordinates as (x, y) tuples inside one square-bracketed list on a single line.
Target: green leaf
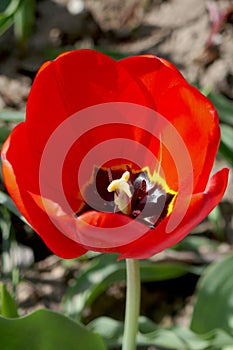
[(225, 152), (109, 329), (195, 242), (47, 330), (214, 299), (8, 307), (91, 282), (6, 17), (226, 135), (5, 227), (4, 133), (5, 23), (224, 107), (216, 218), (4, 4), (226, 145), (7, 202), (160, 271), (104, 270), (24, 20), (7, 115), (174, 338)]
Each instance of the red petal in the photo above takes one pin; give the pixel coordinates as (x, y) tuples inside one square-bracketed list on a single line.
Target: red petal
[(201, 204), (59, 91), (21, 176), (196, 121), (94, 230), (102, 231), (157, 75), (75, 81), (106, 232), (192, 115)]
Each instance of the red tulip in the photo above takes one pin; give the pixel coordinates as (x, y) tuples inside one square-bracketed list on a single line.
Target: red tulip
[(91, 120)]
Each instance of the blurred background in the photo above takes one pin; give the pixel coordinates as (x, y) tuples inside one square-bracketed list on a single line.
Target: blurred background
[(196, 36)]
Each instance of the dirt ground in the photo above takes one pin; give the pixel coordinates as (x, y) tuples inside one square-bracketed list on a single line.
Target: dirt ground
[(196, 35)]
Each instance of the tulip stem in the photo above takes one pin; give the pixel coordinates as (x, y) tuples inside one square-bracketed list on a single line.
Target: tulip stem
[(132, 304)]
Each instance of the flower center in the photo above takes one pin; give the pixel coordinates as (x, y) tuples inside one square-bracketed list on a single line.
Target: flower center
[(137, 193)]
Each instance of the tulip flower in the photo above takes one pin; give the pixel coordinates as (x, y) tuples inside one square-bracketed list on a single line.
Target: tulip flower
[(112, 103), (114, 157)]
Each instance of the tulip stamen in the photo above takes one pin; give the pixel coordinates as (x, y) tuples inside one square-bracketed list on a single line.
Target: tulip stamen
[(135, 193), (122, 195)]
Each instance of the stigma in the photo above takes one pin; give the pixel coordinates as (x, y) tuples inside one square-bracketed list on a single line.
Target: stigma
[(122, 193)]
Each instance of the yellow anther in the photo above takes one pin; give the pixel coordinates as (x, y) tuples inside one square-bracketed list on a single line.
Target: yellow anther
[(121, 184), (122, 192)]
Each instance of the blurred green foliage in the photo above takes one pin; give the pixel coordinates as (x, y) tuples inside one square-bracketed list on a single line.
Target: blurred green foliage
[(225, 110), (211, 325), (21, 14), (8, 10), (103, 271), (214, 298)]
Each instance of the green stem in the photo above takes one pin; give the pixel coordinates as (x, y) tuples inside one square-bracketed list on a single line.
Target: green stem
[(132, 304)]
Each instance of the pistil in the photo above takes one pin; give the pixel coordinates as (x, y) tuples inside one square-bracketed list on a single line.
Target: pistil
[(122, 195)]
